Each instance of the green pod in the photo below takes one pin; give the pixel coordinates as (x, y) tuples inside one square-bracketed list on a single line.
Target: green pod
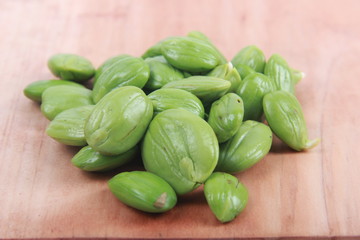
[(144, 191), (227, 72), (124, 70), (181, 148), (247, 147), (88, 159), (34, 90), (119, 120), (244, 70), (226, 196), (226, 115), (169, 98), (250, 56), (207, 89), (296, 75), (203, 37), (279, 72), (161, 73), (252, 91), (60, 98), (71, 67), (285, 117), (68, 126), (190, 54)]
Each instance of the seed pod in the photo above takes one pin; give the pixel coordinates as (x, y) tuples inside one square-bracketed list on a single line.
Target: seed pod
[(279, 72), (144, 191), (118, 121), (250, 56), (68, 126), (227, 72), (203, 37), (168, 98), (161, 73), (225, 195), (181, 148), (189, 54), (252, 91), (34, 90), (123, 70), (90, 160), (207, 89), (244, 70), (71, 67), (285, 117), (60, 98), (249, 145), (226, 115)]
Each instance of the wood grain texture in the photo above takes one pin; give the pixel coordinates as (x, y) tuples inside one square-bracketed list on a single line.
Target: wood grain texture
[(307, 194)]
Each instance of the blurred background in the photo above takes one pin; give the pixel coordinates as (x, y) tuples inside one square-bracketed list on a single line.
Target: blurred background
[(100, 29)]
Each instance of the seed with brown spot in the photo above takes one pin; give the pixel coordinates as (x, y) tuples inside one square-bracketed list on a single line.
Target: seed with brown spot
[(160, 202)]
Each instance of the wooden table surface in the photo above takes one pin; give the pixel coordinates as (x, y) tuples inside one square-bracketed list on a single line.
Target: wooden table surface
[(307, 194)]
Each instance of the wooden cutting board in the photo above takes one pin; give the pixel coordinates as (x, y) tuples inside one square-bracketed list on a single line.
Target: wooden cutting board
[(307, 194)]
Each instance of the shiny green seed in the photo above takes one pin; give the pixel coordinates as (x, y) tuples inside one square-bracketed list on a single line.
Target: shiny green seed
[(284, 114), (227, 72), (203, 37), (107, 65), (226, 196), (226, 115), (297, 75), (181, 148), (123, 70), (68, 126), (187, 74), (172, 98), (161, 73), (207, 89), (155, 50), (190, 54), (90, 160), (252, 91), (71, 67), (247, 147), (119, 121), (244, 70), (250, 56), (279, 72), (34, 90), (144, 191), (60, 98)]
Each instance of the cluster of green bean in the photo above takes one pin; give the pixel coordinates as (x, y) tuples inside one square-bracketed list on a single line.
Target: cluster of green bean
[(194, 117)]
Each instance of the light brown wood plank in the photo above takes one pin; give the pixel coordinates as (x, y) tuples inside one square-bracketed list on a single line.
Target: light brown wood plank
[(301, 195)]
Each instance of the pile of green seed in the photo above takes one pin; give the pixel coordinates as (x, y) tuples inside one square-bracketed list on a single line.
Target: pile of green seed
[(194, 117)]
